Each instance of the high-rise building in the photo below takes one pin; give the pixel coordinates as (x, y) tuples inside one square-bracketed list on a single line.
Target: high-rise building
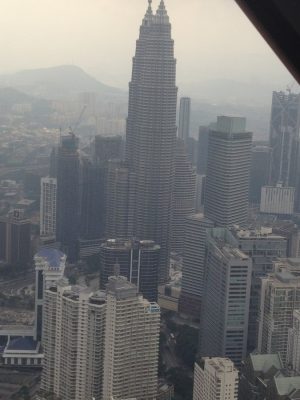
[(48, 207), (131, 343), (200, 190), (184, 119), (192, 286), (49, 268), (15, 238), (92, 215), (293, 354), (119, 199), (228, 172), (227, 297), (215, 379), (277, 200), (73, 342), (68, 195), (107, 148), (137, 260), (263, 247), (151, 131), (183, 202), (202, 150), (280, 297), (260, 171), (284, 138)]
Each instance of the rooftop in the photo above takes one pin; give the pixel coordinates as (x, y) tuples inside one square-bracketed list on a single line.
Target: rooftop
[(265, 362), (22, 344), (288, 386)]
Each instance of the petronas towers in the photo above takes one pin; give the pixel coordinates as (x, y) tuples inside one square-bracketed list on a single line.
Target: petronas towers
[(151, 132)]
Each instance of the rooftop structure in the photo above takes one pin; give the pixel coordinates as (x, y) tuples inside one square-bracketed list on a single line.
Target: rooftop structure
[(215, 379)]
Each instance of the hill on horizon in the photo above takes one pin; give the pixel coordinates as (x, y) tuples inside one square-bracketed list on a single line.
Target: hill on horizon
[(63, 81)]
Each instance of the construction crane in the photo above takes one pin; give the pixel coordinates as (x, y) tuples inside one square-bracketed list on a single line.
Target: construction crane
[(73, 130)]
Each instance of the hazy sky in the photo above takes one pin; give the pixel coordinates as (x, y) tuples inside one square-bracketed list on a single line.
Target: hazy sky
[(213, 39)]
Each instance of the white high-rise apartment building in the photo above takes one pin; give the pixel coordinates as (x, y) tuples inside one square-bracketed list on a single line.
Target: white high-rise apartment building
[(215, 379), (293, 357), (73, 342), (48, 207), (131, 343)]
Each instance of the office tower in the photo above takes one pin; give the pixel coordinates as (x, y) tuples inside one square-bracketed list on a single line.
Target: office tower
[(202, 150), (227, 298), (48, 207), (277, 200), (131, 343), (15, 239), (119, 197), (68, 195), (49, 268), (228, 172), (215, 379), (53, 162), (192, 151), (137, 260), (184, 119), (107, 148), (263, 247), (92, 216), (193, 265), (73, 342), (260, 171), (256, 373), (200, 190), (284, 138), (183, 203), (280, 297), (151, 131), (293, 353)]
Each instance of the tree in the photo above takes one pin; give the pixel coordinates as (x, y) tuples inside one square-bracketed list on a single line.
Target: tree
[(183, 384), (187, 344)]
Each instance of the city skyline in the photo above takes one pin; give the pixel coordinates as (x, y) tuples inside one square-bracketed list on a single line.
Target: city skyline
[(76, 36)]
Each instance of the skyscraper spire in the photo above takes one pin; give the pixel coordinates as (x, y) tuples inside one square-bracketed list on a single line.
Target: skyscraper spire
[(149, 13), (161, 13)]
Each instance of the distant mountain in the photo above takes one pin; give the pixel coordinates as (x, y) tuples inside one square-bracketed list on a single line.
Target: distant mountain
[(10, 96), (57, 82)]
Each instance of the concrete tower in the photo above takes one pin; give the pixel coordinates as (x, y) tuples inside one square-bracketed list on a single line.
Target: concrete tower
[(151, 130), (136, 260), (280, 297), (284, 137), (227, 298), (228, 172), (192, 287), (184, 193), (215, 379), (73, 342), (48, 207), (131, 343), (68, 195)]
